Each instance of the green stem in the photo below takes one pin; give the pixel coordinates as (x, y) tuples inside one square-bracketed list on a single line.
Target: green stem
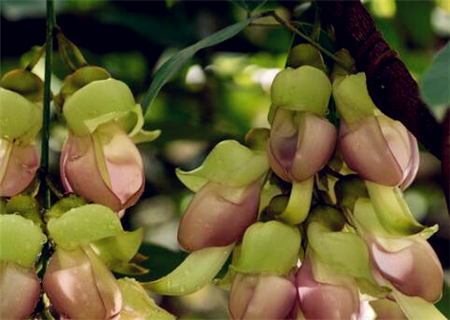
[(309, 40), (51, 22)]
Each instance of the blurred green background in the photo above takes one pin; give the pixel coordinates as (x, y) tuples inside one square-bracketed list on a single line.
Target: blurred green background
[(220, 94)]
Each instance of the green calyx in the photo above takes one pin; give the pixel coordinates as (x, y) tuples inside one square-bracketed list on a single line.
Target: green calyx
[(269, 247), (20, 119), (229, 163), (63, 205), (352, 98), (302, 89), (21, 240)]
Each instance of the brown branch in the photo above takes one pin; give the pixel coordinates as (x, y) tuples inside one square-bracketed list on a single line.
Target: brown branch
[(390, 84)]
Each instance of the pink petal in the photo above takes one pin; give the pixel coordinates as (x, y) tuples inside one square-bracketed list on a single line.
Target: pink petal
[(315, 146), (19, 291), (72, 290), (211, 220), (282, 143), (325, 301), (124, 163), (418, 262), (261, 297), (366, 151), (18, 166), (81, 287), (121, 182)]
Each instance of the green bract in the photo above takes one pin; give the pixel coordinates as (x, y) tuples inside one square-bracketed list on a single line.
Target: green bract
[(352, 98), (230, 164), (269, 247), (302, 89), (83, 225), (21, 240), (20, 119)]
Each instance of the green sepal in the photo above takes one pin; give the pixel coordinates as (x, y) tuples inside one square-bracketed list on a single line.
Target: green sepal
[(393, 211), (83, 225), (25, 206), (117, 250), (302, 89), (137, 304), (352, 98), (21, 240), (269, 247), (20, 119), (229, 163), (197, 270)]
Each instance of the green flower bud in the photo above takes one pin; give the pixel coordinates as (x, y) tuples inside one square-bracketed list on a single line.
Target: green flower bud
[(25, 83), (79, 79), (20, 119), (305, 54), (269, 247), (21, 240), (25, 206)]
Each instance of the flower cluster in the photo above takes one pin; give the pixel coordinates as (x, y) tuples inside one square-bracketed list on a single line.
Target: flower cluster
[(102, 173), (309, 214)]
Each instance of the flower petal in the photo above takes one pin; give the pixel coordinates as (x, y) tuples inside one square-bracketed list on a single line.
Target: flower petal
[(212, 220), (18, 166)]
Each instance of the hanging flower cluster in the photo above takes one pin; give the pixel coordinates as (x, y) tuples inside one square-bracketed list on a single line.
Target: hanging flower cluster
[(311, 217), (102, 173)]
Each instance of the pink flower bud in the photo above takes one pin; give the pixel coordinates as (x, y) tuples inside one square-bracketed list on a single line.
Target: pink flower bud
[(261, 297), (81, 287), (300, 144), (415, 269), (104, 167), (213, 219), (19, 291), (18, 166), (380, 150), (322, 300)]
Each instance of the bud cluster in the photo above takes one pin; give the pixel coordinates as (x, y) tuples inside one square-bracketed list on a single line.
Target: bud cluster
[(311, 212)]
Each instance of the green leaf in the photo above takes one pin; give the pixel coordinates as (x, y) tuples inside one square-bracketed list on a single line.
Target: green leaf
[(175, 63), (249, 5), (435, 83)]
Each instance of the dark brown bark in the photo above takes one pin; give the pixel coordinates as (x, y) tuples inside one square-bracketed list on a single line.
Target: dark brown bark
[(390, 84)]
